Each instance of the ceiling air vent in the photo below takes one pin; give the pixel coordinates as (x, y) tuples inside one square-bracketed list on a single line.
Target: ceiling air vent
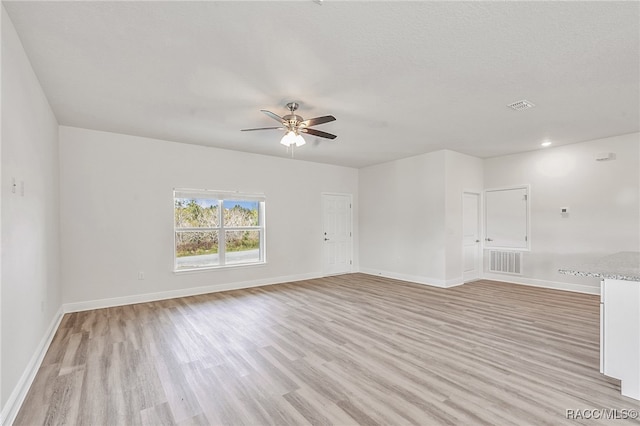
[(520, 105)]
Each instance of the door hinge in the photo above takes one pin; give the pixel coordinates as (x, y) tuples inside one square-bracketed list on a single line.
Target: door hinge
[(351, 262), (526, 238), (526, 197)]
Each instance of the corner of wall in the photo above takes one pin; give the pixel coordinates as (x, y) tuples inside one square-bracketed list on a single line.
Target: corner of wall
[(30, 290)]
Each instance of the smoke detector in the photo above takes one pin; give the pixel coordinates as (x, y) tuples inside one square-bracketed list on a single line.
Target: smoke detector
[(520, 105)]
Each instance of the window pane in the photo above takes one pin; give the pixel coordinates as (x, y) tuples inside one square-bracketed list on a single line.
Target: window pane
[(240, 213), (196, 249), (196, 213), (242, 246)]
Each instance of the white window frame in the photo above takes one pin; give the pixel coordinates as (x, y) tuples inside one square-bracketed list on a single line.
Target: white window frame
[(221, 229)]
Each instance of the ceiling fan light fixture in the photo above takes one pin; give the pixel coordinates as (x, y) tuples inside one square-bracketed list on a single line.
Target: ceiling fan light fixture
[(292, 138), (288, 139)]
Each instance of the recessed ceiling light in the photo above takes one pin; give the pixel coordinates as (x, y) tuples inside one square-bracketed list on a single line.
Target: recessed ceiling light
[(546, 143)]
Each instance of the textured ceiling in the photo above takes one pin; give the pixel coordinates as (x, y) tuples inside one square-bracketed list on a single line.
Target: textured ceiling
[(402, 78)]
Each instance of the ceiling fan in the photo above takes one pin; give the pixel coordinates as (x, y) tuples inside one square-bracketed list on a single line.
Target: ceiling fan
[(295, 125)]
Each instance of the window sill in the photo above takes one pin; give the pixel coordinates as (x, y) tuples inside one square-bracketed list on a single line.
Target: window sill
[(218, 268)]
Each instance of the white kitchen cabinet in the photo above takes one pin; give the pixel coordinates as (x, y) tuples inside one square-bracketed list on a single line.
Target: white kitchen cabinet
[(619, 316), (620, 333)]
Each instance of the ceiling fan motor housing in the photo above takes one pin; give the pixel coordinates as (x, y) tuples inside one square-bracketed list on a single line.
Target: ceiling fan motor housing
[(292, 121)]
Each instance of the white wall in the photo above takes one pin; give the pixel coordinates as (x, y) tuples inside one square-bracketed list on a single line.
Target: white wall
[(117, 213), (30, 286), (603, 198), (402, 216), (411, 216)]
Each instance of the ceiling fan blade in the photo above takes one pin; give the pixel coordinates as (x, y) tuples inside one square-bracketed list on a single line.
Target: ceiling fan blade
[(315, 132), (318, 120), (262, 128), (274, 116)]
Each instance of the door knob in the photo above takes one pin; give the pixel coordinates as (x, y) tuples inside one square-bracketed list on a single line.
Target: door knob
[(488, 239), (477, 241), (326, 239)]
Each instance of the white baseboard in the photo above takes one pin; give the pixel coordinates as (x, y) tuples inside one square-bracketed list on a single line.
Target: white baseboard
[(454, 282), (194, 291), (15, 400), (556, 285), (416, 279)]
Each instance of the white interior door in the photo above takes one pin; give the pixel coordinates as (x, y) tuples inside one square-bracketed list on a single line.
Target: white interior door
[(471, 236), (337, 233)]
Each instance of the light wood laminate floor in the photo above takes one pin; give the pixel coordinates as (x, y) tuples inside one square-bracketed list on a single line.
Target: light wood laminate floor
[(350, 349)]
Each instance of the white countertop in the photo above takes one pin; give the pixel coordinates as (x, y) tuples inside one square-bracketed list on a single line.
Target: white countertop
[(620, 266)]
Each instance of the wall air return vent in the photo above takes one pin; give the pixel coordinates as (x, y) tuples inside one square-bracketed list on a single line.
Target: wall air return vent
[(505, 262), (520, 105)]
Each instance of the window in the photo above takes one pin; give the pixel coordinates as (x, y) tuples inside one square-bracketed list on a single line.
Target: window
[(215, 229), (507, 218)]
